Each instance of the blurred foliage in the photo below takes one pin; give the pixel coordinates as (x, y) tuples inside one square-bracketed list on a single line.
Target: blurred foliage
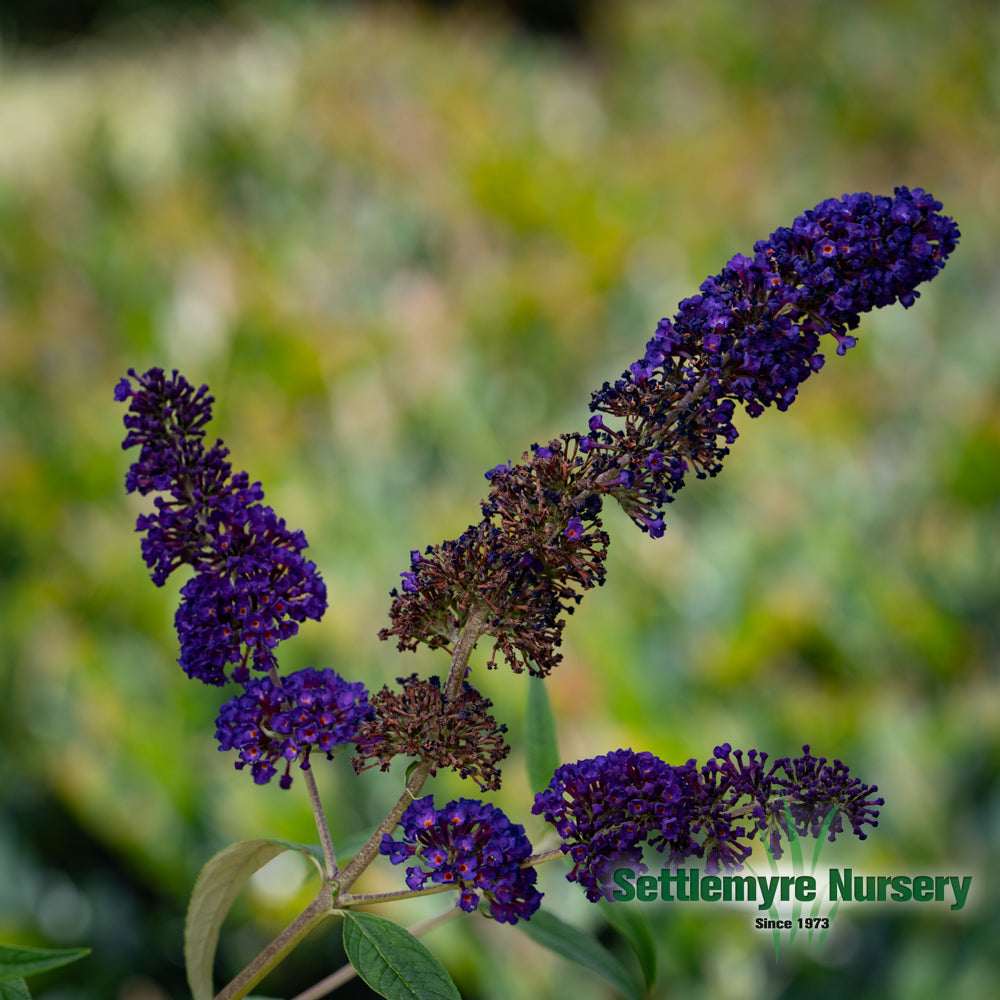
[(401, 247)]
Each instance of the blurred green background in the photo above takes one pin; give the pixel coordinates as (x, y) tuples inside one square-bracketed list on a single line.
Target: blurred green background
[(400, 245)]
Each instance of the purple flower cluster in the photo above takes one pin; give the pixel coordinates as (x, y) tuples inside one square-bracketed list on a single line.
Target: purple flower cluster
[(309, 710), (607, 808), (750, 338), (473, 846), (252, 587), (753, 336)]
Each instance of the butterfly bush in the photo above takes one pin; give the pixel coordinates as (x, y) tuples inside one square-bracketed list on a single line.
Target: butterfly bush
[(606, 808), (750, 338), (747, 341)]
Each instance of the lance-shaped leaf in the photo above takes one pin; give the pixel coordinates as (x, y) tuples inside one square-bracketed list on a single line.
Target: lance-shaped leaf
[(16, 963), (632, 924), (540, 746), (555, 934), (220, 882), (393, 962)]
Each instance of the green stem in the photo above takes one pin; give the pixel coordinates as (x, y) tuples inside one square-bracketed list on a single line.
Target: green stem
[(329, 855), (540, 859), (349, 875), (474, 628), (349, 899), (315, 913)]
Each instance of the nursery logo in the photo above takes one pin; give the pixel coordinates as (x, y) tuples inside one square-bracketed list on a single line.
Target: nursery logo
[(789, 903), (796, 900), (689, 885)]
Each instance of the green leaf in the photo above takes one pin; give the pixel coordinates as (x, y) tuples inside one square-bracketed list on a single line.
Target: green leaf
[(794, 843), (821, 837), (218, 885), (633, 925), (541, 747), (829, 925), (14, 989), (16, 963), (393, 962), (795, 849), (555, 934), (818, 904)]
